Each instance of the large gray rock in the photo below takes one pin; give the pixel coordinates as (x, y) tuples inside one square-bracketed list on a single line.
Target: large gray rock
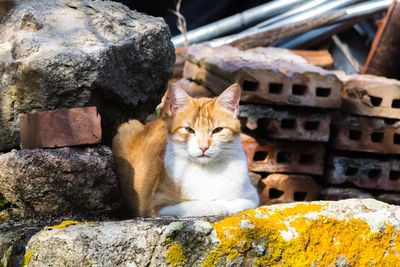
[(60, 182), (344, 233), (72, 53)]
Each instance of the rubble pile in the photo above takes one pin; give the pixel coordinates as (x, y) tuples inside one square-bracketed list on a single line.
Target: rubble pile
[(307, 132)]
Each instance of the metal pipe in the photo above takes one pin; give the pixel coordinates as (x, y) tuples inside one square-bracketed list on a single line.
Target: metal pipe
[(240, 20), (354, 13)]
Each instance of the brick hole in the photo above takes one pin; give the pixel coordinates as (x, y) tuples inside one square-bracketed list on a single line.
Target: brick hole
[(275, 193), (306, 159), (396, 139), (351, 171), (275, 88), (299, 196), (375, 101), (394, 175), (288, 123), (249, 86), (374, 173), (282, 157), (396, 103), (260, 156), (311, 125), (354, 135), (323, 91), (299, 89), (377, 137)]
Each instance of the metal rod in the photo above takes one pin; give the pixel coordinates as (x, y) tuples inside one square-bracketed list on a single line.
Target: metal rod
[(354, 13), (235, 22)]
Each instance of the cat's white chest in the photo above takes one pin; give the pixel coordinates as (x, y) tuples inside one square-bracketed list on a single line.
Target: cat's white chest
[(228, 180)]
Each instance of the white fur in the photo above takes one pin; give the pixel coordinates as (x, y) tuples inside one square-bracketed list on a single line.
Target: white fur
[(217, 185)]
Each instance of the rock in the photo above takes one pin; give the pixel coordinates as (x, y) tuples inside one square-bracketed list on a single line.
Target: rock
[(60, 182), (74, 53), (344, 233), (13, 240)]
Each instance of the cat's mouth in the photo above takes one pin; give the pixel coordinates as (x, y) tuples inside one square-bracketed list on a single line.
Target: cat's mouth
[(203, 156)]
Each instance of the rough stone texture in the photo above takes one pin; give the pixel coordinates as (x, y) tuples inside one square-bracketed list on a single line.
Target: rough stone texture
[(371, 96), (265, 156), (344, 233), (60, 182), (365, 173), (366, 134), (266, 75), (285, 124), (74, 53), (13, 240), (59, 128), (282, 188)]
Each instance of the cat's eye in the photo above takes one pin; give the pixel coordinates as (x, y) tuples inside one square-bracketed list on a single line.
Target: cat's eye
[(217, 130), (189, 130)]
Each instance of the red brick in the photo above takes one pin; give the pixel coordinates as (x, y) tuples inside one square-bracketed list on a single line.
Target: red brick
[(365, 173), (283, 157), (59, 128), (265, 75), (371, 96), (282, 188), (288, 124), (366, 134), (194, 89)]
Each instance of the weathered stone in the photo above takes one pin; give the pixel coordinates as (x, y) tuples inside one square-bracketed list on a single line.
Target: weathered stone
[(74, 53), (266, 75), (273, 157), (366, 134), (60, 182), (296, 234), (60, 127), (285, 124), (13, 240), (282, 188), (194, 89), (370, 95)]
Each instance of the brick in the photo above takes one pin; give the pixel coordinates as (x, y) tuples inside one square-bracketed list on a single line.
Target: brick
[(283, 157), (371, 96), (366, 134), (339, 193), (194, 89), (391, 198), (365, 173), (321, 58), (285, 124), (282, 188), (59, 128), (266, 75)]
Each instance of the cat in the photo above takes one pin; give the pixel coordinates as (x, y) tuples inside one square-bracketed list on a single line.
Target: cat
[(189, 163)]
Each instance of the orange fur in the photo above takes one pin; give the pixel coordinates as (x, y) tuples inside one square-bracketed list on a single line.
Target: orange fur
[(139, 151)]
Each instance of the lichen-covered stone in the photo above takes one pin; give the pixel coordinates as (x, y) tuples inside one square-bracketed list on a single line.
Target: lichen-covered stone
[(74, 53), (60, 182), (344, 233)]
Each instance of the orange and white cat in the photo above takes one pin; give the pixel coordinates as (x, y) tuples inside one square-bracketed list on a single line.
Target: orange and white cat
[(189, 164)]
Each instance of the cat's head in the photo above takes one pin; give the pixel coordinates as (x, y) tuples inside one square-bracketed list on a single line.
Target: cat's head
[(204, 129)]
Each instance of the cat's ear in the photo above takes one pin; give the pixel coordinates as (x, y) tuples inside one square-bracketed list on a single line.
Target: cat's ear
[(229, 99), (177, 98)]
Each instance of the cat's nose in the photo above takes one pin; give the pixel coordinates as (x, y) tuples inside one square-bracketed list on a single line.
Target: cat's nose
[(203, 148)]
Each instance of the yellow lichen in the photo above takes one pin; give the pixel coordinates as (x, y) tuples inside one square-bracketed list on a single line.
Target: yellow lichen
[(27, 257), (175, 255), (317, 240), (64, 224)]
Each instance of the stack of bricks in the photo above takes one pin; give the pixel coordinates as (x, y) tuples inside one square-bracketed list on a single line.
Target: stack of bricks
[(366, 140), (285, 112)]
